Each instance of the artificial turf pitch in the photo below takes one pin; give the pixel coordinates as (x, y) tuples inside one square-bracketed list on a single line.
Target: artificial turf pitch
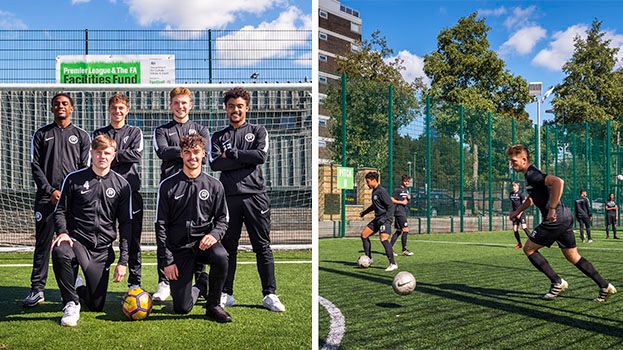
[(253, 328), (474, 291)]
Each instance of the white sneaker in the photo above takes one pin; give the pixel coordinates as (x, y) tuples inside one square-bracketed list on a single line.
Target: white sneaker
[(79, 281), (227, 300), (391, 267), (604, 293), (556, 289), (163, 292), (272, 303), (71, 314)]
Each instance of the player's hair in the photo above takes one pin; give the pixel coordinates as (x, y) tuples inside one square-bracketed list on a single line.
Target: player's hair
[(611, 195), (515, 150), (71, 100), (405, 178), (582, 190), (235, 93), (118, 98), (373, 175), (515, 183), (180, 91), (103, 141), (191, 141)]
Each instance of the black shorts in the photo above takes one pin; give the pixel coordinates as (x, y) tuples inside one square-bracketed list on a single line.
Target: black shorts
[(400, 222), (520, 221), (559, 231), (611, 220), (380, 225)]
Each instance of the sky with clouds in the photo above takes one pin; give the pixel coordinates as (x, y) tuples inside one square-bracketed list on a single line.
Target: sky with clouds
[(535, 38)]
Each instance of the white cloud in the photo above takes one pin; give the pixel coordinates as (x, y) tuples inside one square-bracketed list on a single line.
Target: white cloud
[(520, 17), (560, 49), (492, 12), (616, 40), (262, 42), (9, 21), (414, 66), (523, 40), (78, 2), (195, 14)]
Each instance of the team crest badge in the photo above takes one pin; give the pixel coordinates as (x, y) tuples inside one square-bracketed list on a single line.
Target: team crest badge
[(125, 139), (204, 194), (110, 192), (38, 216), (73, 139), (249, 137), (192, 131)]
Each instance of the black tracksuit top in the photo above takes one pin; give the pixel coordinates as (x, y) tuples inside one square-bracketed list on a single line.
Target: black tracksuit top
[(381, 204), (129, 152), (582, 208), (90, 205), (246, 149), (56, 152), (187, 210), (167, 144)]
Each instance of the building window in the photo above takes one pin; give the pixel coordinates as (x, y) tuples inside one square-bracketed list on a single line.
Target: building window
[(323, 14), (323, 36), (322, 58), (322, 144), (356, 28), (355, 47), (323, 79), (322, 122)]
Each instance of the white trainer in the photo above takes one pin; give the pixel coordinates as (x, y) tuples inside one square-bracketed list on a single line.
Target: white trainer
[(71, 314), (163, 292), (227, 300), (272, 303), (391, 267), (604, 293), (556, 289)]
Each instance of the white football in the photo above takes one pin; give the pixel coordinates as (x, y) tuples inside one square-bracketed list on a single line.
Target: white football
[(404, 283), (363, 261), (620, 177)]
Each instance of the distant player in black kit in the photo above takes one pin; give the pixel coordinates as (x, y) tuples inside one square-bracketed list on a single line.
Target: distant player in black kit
[(191, 220), (57, 149), (545, 192), (91, 201), (383, 208), (129, 140), (611, 216), (238, 152), (401, 198), (517, 198), (583, 215), (167, 146)]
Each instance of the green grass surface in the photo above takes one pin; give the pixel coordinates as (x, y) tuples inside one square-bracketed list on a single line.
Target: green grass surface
[(473, 291), (253, 328)]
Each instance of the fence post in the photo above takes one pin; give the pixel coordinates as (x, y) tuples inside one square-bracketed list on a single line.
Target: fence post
[(343, 206), (462, 166), (86, 41), (556, 151), (390, 139), (210, 55), (490, 150), (537, 214), (588, 162), (575, 184), (546, 127), (608, 158), (514, 141), (428, 163)]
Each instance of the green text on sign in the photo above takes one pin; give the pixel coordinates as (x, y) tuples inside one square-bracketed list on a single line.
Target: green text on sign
[(100, 73), (345, 177)]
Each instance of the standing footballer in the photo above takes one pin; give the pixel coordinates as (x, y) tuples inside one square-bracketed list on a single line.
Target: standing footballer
[(382, 206), (583, 215), (238, 151), (91, 201), (191, 219), (517, 198), (129, 140), (611, 216), (401, 198), (57, 149), (167, 146), (545, 192)]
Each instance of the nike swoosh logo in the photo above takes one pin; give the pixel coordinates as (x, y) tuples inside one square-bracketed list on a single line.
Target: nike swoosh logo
[(83, 192), (135, 212), (264, 211), (48, 138), (178, 197), (171, 134)]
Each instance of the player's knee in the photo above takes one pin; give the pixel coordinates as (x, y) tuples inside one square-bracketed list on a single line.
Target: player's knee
[(61, 252), (528, 250)]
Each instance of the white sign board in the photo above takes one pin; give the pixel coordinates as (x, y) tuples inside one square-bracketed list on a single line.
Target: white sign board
[(535, 88), (115, 69)]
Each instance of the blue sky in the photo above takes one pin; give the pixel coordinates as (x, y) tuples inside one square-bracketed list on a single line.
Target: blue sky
[(534, 38)]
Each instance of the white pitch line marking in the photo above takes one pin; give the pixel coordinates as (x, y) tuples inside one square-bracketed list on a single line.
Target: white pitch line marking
[(337, 327), (509, 245), (154, 264)]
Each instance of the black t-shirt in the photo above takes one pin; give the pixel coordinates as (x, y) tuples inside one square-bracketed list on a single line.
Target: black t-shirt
[(400, 194), (535, 185), (611, 204), (517, 198)]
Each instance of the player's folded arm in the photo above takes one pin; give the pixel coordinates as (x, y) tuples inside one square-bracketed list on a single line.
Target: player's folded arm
[(162, 148), (134, 153)]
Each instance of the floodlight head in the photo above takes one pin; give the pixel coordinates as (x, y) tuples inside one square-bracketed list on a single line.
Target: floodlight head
[(548, 92)]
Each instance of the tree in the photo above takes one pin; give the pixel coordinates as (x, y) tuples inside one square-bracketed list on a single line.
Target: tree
[(464, 70), (369, 75), (592, 90)]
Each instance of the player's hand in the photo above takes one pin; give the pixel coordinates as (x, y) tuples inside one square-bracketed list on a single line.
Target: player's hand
[(63, 237), (170, 272), (207, 241), (119, 274), (361, 214), (551, 215), (55, 196)]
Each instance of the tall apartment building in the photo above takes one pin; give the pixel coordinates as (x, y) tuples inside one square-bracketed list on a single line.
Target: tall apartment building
[(339, 32)]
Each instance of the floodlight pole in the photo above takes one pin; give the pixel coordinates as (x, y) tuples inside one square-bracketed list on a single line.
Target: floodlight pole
[(538, 132)]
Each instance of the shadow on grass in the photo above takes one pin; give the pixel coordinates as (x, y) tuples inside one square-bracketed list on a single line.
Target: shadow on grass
[(490, 298), (389, 305)]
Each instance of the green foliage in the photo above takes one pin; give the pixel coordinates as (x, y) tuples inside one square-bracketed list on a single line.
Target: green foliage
[(592, 90)]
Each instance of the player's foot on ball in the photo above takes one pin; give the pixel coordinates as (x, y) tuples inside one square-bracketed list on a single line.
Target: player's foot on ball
[(407, 252), (519, 246), (71, 314), (33, 298), (604, 293), (590, 241), (583, 240), (227, 300), (163, 292), (391, 267), (272, 303), (202, 284), (556, 289), (217, 314), (134, 286)]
